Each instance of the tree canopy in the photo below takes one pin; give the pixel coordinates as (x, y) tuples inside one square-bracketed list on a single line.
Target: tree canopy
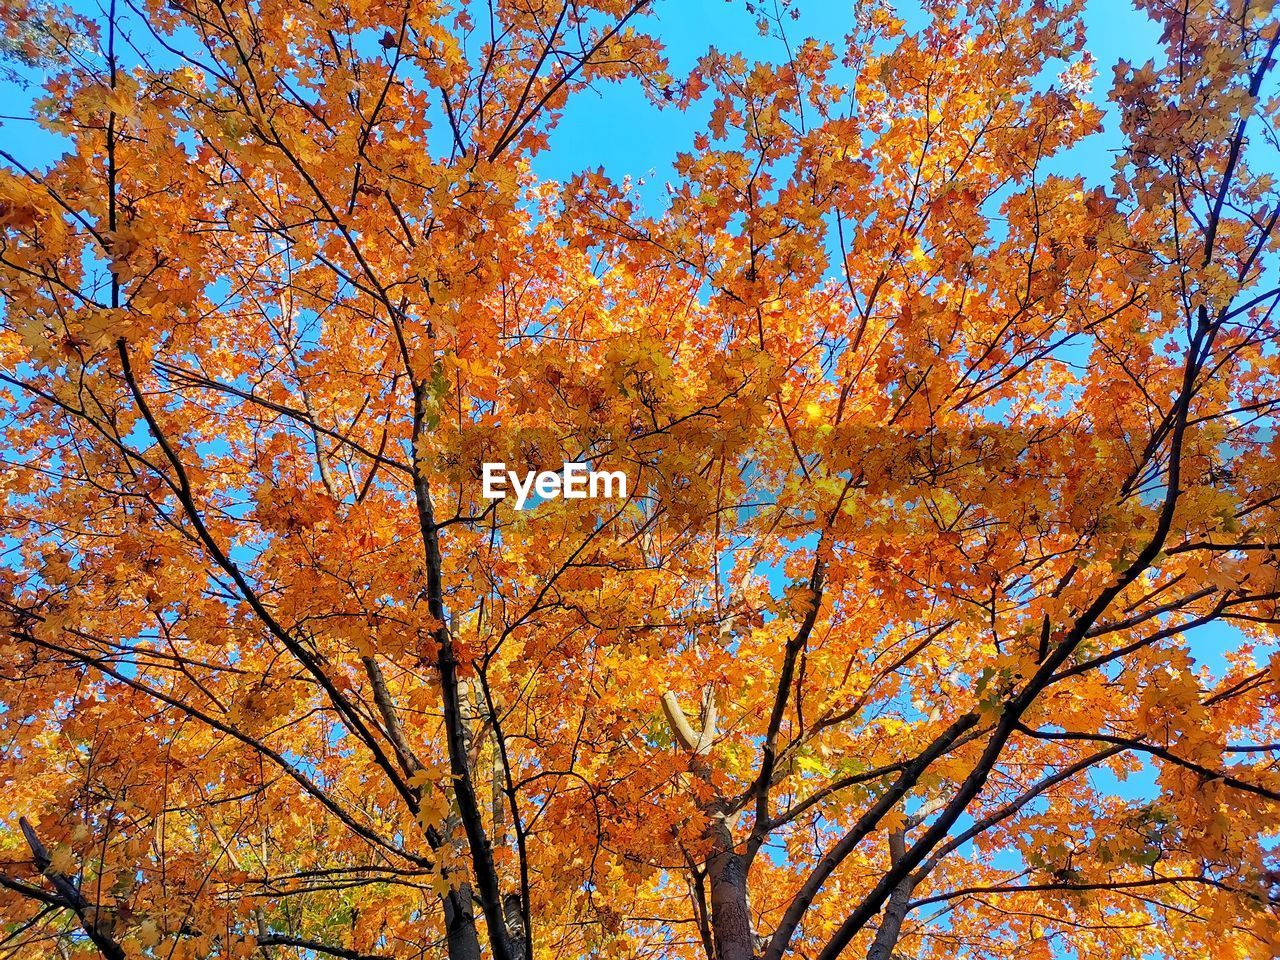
[(940, 460)]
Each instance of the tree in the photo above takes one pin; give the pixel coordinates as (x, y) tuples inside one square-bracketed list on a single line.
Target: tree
[(940, 464)]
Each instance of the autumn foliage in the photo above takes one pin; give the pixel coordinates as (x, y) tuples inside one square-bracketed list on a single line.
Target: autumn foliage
[(944, 463)]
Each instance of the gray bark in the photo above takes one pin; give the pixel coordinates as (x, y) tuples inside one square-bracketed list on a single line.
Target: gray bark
[(895, 910), (515, 925), (730, 914), (460, 924)]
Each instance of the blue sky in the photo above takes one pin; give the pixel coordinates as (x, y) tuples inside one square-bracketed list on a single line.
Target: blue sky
[(615, 127)]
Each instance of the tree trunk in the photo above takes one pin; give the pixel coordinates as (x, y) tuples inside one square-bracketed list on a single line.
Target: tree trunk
[(730, 915), (515, 926), (460, 924), (895, 910)]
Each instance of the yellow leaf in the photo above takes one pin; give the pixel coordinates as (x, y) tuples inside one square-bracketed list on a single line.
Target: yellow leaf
[(147, 934), (63, 861)]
